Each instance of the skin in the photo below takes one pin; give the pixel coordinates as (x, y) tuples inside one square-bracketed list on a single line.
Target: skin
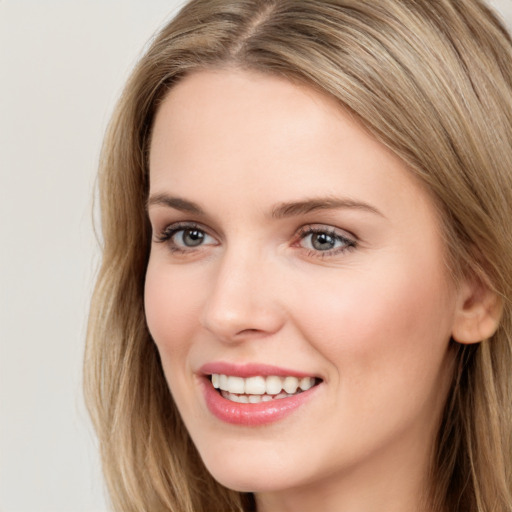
[(372, 320)]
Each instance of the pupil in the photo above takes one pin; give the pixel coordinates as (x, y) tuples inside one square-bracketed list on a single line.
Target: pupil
[(192, 237), (322, 241)]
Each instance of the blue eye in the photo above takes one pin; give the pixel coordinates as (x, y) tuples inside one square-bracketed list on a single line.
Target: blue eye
[(185, 237), (324, 240), (189, 237)]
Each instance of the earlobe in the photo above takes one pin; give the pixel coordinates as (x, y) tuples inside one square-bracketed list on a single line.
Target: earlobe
[(478, 312)]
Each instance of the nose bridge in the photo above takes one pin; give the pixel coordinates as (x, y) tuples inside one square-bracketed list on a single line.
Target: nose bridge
[(243, 298)]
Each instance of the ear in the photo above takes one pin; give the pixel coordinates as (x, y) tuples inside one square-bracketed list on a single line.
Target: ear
[(478, 312)]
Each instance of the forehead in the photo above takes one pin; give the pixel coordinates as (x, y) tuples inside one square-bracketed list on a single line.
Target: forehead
[(271, 141), (223, 109)]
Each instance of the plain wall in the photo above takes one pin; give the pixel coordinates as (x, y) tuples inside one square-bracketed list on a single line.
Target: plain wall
[(62, 66)]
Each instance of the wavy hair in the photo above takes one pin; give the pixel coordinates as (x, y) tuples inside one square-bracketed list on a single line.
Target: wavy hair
[(432, 80)]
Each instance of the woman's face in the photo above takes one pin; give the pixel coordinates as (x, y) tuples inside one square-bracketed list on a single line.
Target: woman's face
[(291, 248)]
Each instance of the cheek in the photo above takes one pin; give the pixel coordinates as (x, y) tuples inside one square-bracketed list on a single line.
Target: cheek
[(170, 302), (390, 328)]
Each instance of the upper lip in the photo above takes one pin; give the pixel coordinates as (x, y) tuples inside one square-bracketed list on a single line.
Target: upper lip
[(250, 370)]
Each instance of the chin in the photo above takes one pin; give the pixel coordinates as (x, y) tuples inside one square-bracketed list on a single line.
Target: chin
[(244, 481), (251, 474)]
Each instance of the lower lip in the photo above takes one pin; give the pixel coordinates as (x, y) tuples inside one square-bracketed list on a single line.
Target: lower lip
[(253, 414)]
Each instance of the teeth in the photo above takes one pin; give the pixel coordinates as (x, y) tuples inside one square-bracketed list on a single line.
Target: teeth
[(252, 399), (255, 386), (291, 384), (242, 399), (223, 382), (306, 383), (236, 385), (258, 386), (274, 385)]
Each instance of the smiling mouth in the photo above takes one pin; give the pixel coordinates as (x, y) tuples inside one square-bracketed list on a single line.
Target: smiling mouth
[(260, 389)]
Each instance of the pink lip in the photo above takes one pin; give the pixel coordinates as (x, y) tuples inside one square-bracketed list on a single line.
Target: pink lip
[(249, 370), (250, 414)]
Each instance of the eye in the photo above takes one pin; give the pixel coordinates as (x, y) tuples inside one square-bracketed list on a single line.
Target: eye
[(325, 240), (322, 241), (185, 237), (191, 237)]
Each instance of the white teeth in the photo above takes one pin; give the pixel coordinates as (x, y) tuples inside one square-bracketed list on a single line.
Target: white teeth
[(306, 383), (255, 386), (223, 382), (252, 399), (274, 385), (236, 385), (242, 399), (291, 384), (261, 387)]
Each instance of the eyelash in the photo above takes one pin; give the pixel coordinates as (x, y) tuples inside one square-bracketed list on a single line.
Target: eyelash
[(309, 230), (170, 231), (166, 236)]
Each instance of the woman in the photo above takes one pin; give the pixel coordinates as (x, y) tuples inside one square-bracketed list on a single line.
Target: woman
[(305, 295)]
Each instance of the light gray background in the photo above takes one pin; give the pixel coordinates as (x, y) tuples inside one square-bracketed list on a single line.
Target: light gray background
[(62, 66)]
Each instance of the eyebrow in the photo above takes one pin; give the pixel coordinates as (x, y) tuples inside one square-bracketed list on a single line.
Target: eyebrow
[(282, 210), (305, 206), (177, 203)]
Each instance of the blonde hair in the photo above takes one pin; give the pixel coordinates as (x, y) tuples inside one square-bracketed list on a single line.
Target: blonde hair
[(431, 79)]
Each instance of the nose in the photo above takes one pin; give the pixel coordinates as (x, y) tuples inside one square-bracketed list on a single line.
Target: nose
[(244, 299)]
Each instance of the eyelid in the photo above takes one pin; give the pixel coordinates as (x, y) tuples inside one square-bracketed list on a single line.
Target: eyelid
[(326, 228), (165, 235), (351, 241)]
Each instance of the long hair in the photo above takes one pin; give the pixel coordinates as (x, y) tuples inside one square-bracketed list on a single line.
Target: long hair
[(432, 80)]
